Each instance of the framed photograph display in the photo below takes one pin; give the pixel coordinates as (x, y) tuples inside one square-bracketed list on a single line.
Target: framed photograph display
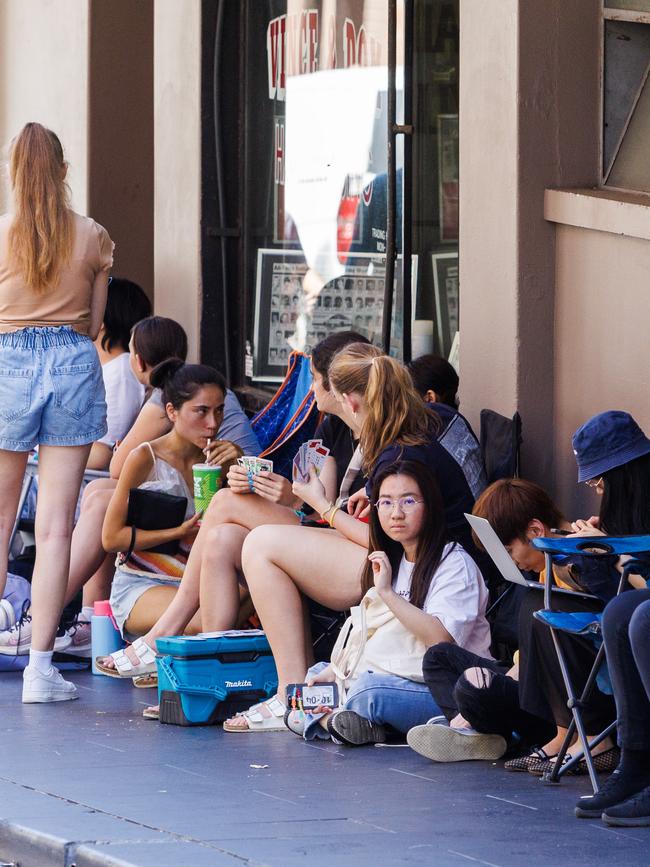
[(445, 285), (289, 314), (448, 177)]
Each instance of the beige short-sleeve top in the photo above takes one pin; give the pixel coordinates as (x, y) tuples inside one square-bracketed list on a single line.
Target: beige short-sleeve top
[(68, 303)]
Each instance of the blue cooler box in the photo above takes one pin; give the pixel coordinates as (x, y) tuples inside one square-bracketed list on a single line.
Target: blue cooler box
[(204, 679)]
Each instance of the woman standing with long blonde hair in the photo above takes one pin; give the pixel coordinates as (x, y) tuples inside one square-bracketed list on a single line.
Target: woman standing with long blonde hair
[(54, 267)]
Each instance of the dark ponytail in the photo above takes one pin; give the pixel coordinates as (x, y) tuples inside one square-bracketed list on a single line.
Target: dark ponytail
[(395, 412), (157, 338), (179, 382)]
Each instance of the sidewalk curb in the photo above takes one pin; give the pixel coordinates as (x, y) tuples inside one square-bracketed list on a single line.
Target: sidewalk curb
[(25, 847)]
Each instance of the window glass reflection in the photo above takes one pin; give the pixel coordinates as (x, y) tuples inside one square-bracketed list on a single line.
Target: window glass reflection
[(318, 261)]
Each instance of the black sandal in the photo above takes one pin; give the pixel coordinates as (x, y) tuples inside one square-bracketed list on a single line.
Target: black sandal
[(353, 730), (526, 763), (604, 763)]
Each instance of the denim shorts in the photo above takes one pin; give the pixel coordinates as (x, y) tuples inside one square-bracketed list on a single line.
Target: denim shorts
[(126, 589), (51, 389)]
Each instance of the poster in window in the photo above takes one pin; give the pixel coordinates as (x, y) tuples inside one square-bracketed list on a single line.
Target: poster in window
[(448, 177), (446, 291), (290, 313)]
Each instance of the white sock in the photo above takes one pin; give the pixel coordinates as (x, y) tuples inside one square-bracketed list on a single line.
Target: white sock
[(41, 660), (86, 613)]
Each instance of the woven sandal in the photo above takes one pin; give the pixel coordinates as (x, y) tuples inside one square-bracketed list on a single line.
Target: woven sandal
[(524, 763), (604, 763)]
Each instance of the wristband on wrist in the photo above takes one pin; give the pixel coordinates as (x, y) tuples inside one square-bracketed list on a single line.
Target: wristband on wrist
[(332, 515), (326, 512)]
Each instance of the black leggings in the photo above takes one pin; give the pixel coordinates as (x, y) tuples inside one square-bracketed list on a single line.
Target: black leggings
[(493, 707), (541, 687), (626, 628)]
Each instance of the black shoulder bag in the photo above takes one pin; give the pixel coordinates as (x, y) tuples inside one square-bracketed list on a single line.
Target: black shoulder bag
[(154, 510)]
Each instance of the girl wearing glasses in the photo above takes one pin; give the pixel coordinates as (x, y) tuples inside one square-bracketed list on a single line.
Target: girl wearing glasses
[(433, 588), (284, 564)]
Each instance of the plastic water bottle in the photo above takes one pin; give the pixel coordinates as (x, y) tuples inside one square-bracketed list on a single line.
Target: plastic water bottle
[(105, 636)]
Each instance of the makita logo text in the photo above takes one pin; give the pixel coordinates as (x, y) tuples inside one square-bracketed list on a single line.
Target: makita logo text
[(233, 683)]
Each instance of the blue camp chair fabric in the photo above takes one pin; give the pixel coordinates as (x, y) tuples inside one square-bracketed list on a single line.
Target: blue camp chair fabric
[(290, 418), (575, 622), (585, 623)]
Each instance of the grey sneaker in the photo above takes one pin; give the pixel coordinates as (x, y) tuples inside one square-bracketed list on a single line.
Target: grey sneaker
[(443, 744), (353, 730), (633, 813), (40, 688)]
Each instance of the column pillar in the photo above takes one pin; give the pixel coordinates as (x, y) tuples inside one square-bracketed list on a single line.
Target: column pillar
[(529, 119)]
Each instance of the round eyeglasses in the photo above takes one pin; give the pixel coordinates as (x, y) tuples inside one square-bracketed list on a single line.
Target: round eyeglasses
[(385, 505)]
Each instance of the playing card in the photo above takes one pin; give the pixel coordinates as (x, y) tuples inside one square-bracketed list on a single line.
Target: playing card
[(304, 449), (300, 463), (317, 457), (264, 466), (296, 468)]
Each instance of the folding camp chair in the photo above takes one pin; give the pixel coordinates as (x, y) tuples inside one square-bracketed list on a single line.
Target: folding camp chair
[(289, 418), (583, 623)]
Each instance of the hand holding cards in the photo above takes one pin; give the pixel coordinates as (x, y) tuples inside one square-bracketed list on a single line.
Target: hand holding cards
[(254, 465), (310, 454)]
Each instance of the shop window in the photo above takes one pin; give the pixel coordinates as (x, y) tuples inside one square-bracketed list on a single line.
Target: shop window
[(317, 192), (626, 100), (304, 144)]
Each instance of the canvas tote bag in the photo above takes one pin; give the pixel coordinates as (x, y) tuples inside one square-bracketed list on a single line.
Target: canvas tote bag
[(373, 639)]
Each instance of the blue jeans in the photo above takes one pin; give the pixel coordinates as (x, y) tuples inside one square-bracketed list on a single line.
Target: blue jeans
[(383, 699)]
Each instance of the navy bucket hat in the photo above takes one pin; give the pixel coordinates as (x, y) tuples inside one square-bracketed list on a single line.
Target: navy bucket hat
[(606, 441)]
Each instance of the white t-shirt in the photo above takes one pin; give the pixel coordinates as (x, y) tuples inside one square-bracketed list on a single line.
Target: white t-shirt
[(124, 397), (457, 597)]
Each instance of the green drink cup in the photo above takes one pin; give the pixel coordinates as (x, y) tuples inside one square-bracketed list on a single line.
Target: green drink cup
[(207, 481)]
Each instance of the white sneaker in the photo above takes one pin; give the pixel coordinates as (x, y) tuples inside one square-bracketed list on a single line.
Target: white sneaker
[(39, 687), (443, 744), (18, 640), (7, 615)]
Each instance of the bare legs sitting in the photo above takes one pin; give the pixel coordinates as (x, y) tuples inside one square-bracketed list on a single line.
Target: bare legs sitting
[(282, 565), (213, 571)]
